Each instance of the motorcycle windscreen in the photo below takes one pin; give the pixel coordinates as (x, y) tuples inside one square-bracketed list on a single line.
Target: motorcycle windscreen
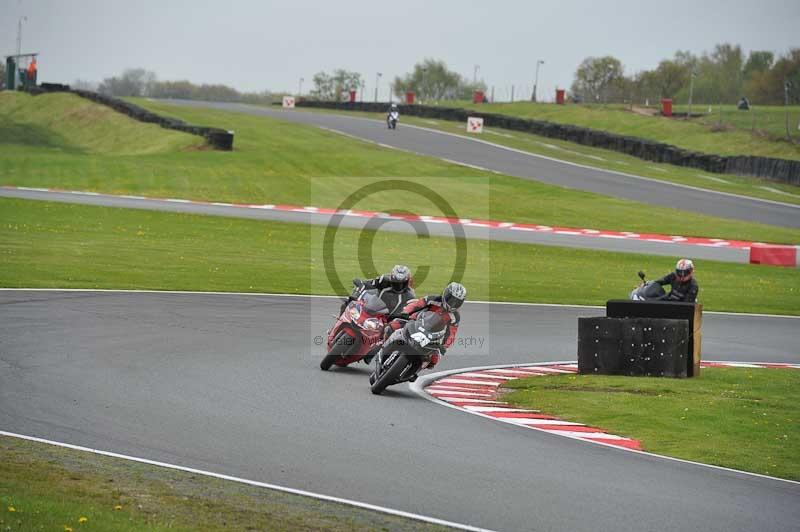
[(374, 304), (653, 290), (432, 325)]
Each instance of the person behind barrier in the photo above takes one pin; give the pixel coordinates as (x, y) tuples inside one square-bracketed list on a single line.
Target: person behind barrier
[(32, 71), (684, 287)]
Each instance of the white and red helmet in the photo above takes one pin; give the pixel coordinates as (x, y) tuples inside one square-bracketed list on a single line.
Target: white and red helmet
[(684, 270)]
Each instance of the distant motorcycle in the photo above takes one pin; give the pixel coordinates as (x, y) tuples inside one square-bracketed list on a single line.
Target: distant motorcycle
[(358, 330), (392, 118), (648, 290), (407, 351)]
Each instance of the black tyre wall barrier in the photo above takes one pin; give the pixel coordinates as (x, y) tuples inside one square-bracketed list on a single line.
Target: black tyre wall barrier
[(219, 139), (691, 312), (650, 347), (784, 170)]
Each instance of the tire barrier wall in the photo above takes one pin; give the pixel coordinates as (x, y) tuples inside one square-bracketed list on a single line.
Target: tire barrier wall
[(783, 170), (219, 139), (633, 346), (673, 310)]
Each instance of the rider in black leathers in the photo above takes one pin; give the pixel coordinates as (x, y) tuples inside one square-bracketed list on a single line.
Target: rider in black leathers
[(394, 289), (684, 286)]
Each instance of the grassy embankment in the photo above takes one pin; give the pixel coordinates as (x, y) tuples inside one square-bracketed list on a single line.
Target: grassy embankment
[(607, 159), (765, 121), (68, 124), (744, 419), (699, 134), (277, 162)]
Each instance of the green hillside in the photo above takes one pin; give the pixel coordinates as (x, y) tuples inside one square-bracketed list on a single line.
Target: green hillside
[(67, 123)]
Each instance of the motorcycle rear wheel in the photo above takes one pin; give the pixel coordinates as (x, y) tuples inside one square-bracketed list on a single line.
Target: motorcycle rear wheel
[(340, 348), (391, 375)]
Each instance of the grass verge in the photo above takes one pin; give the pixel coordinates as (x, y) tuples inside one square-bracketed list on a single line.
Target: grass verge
[(745, 419), (608, 160), (279, 162), (54, 245), (766, 121), (47, 487)]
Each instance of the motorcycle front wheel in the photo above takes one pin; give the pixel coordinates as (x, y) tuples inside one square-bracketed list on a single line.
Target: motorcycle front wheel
[(339, 349), (391, 375)]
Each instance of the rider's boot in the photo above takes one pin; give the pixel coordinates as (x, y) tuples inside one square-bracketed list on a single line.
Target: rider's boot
[(371, 354)]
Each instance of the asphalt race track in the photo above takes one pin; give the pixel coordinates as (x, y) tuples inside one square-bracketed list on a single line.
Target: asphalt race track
[(230, 383), (528, 166)]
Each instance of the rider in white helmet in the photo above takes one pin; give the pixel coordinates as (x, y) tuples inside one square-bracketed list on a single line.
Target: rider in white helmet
[(392, 115), (684, 286), (447, 305)]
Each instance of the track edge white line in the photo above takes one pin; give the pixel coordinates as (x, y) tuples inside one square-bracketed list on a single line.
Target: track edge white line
[(275, 487)]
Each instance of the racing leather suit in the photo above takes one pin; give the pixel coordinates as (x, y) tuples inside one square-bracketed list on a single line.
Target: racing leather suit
[(681, 291), (434, 304), (395, 301), (393, 113)]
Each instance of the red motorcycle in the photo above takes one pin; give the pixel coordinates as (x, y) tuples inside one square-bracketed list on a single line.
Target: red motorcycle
[(357, 331)]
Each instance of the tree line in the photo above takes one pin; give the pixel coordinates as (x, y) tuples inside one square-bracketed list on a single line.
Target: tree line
[(141, 82), (723, 75), (430, 79)]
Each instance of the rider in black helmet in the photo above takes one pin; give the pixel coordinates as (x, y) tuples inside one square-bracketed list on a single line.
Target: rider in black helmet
[(394, 289)]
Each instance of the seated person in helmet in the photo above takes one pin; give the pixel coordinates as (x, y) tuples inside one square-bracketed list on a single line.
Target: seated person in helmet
[(684, 286), (394, 289)]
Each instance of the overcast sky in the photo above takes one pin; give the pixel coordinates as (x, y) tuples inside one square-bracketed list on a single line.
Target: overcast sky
[(257, 45)]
